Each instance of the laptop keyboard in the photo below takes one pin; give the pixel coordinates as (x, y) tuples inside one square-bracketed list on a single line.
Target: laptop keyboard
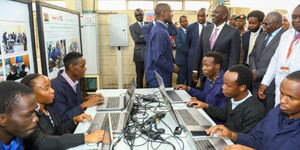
[(95, 125), (113, 102), (174, 96), (187, 118), (114, 120), (205, 145)]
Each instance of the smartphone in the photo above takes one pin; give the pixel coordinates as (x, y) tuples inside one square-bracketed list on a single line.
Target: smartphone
[(199, 133)]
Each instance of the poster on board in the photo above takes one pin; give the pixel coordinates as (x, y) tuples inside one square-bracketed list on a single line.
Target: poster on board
[(17, 53), (60, 35)]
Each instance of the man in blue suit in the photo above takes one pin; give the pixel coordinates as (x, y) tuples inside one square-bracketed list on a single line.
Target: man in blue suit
[(181, 50), (159, 55), (192, 36), (255, 19)]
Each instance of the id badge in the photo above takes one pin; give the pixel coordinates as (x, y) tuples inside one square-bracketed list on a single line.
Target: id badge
[(285, 69)]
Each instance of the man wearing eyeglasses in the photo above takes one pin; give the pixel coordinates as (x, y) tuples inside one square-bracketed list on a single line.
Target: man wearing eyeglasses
[(264, 48), (136, 31)]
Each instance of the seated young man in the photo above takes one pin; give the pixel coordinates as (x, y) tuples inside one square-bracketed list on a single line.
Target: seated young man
[(18, 122), (241, 112), (280, 129), (68, 101), (212, 92)]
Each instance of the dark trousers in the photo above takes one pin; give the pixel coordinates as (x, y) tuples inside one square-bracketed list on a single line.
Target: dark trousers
[(181, 78), (269, 102), (139, 69)]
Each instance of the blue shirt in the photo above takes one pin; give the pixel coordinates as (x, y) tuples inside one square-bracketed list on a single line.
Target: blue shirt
[(275, 132), (212, 93), (15, 144)]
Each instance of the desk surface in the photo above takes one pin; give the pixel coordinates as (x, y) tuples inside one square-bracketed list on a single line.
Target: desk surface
[(185, 137)]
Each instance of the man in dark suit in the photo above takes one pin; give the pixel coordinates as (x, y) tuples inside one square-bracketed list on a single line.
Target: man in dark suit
[(192, 36), (255, 19), (181, 50), (218, 37), (136, 31), (260, 57)]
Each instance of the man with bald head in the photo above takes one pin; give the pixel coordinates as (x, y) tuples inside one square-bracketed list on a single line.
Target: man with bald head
[(159, 54), (279, 129), (192, 36), (263, 50), (218, 37), (136, 31), (286, 58)]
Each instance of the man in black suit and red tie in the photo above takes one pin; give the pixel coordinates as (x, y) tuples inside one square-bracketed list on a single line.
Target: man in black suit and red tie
[(218, 37)]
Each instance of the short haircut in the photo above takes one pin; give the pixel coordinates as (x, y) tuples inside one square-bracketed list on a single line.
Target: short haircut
[(217, 58), (277, 16), (138, 10), (161, 7), (295, 76), (257, 14), (183, 16), (10, 93), (245, 76), (28, 80), (71, 58)]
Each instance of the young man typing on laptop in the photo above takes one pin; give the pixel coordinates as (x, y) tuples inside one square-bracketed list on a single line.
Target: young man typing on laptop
[(241, 112), (68, 101), (279, 129)]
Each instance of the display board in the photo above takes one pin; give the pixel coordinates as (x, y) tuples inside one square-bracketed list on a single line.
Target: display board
[(59, 34), (17, 46)]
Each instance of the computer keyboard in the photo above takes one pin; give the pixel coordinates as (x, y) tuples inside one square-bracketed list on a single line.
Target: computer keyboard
[(205, 145), (113, 102), (114, 117), (174, 96), (187, 118)]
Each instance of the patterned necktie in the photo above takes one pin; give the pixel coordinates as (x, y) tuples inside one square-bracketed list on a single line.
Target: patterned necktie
[(213, 38), (266, 41), (296, 38)]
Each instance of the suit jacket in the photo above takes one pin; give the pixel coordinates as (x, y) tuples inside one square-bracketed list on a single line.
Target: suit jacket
[(243, 118), (136, 32), (245, 44), (66, 100), (192, 37), (181, 47), (228, 44), (159, 56)]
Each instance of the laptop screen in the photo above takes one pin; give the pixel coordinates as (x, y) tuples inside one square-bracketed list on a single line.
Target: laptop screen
[(161, 87), (129, 93)]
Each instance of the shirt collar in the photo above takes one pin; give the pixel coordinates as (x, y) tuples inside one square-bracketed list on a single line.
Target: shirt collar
[(275, 32), (163, 23), (14, 144), (256, 33), (220, 27), (235, 103), (70, 81), (218, 78), (183, 29)]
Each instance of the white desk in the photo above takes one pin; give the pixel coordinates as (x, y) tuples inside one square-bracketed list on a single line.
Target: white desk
[(188, 142)]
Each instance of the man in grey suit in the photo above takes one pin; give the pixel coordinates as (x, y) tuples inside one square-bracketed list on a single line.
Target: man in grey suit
[(218, 37), (136, 31), (263, 50), (181, 50)]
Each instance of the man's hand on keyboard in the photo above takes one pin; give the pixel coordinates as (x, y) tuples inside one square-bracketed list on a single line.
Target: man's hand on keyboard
[(82, 117), (94, 137), (181, 87), (92, 101), (237, 147), (221, 130), (199, 104)]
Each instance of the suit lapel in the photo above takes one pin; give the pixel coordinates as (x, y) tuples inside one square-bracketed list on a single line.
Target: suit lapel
[(222, 34), (138, 27)]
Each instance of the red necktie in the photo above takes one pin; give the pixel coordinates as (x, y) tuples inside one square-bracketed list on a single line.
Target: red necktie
[(296, 38)]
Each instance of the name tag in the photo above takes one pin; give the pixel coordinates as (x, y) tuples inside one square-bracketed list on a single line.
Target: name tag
[(284, 69)]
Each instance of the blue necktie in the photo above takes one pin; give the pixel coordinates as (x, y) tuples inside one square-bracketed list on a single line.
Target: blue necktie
[(266, 41)]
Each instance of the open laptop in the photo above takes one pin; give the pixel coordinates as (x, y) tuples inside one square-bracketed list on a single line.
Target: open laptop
[(210, 143), (177, 96), (117, 103)]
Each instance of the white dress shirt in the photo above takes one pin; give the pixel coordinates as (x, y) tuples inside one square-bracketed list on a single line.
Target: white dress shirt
[(220, 27), (280, 60), (235, 103)]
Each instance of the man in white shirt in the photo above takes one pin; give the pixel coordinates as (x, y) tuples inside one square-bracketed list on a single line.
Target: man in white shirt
[(286, 58)]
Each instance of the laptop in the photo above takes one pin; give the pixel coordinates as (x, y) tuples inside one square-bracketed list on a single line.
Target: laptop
[(102, 121), (117, 103), (210, 143), (177, 96)]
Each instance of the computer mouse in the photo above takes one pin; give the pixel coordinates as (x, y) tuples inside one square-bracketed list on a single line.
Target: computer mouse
[(191, 105)]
